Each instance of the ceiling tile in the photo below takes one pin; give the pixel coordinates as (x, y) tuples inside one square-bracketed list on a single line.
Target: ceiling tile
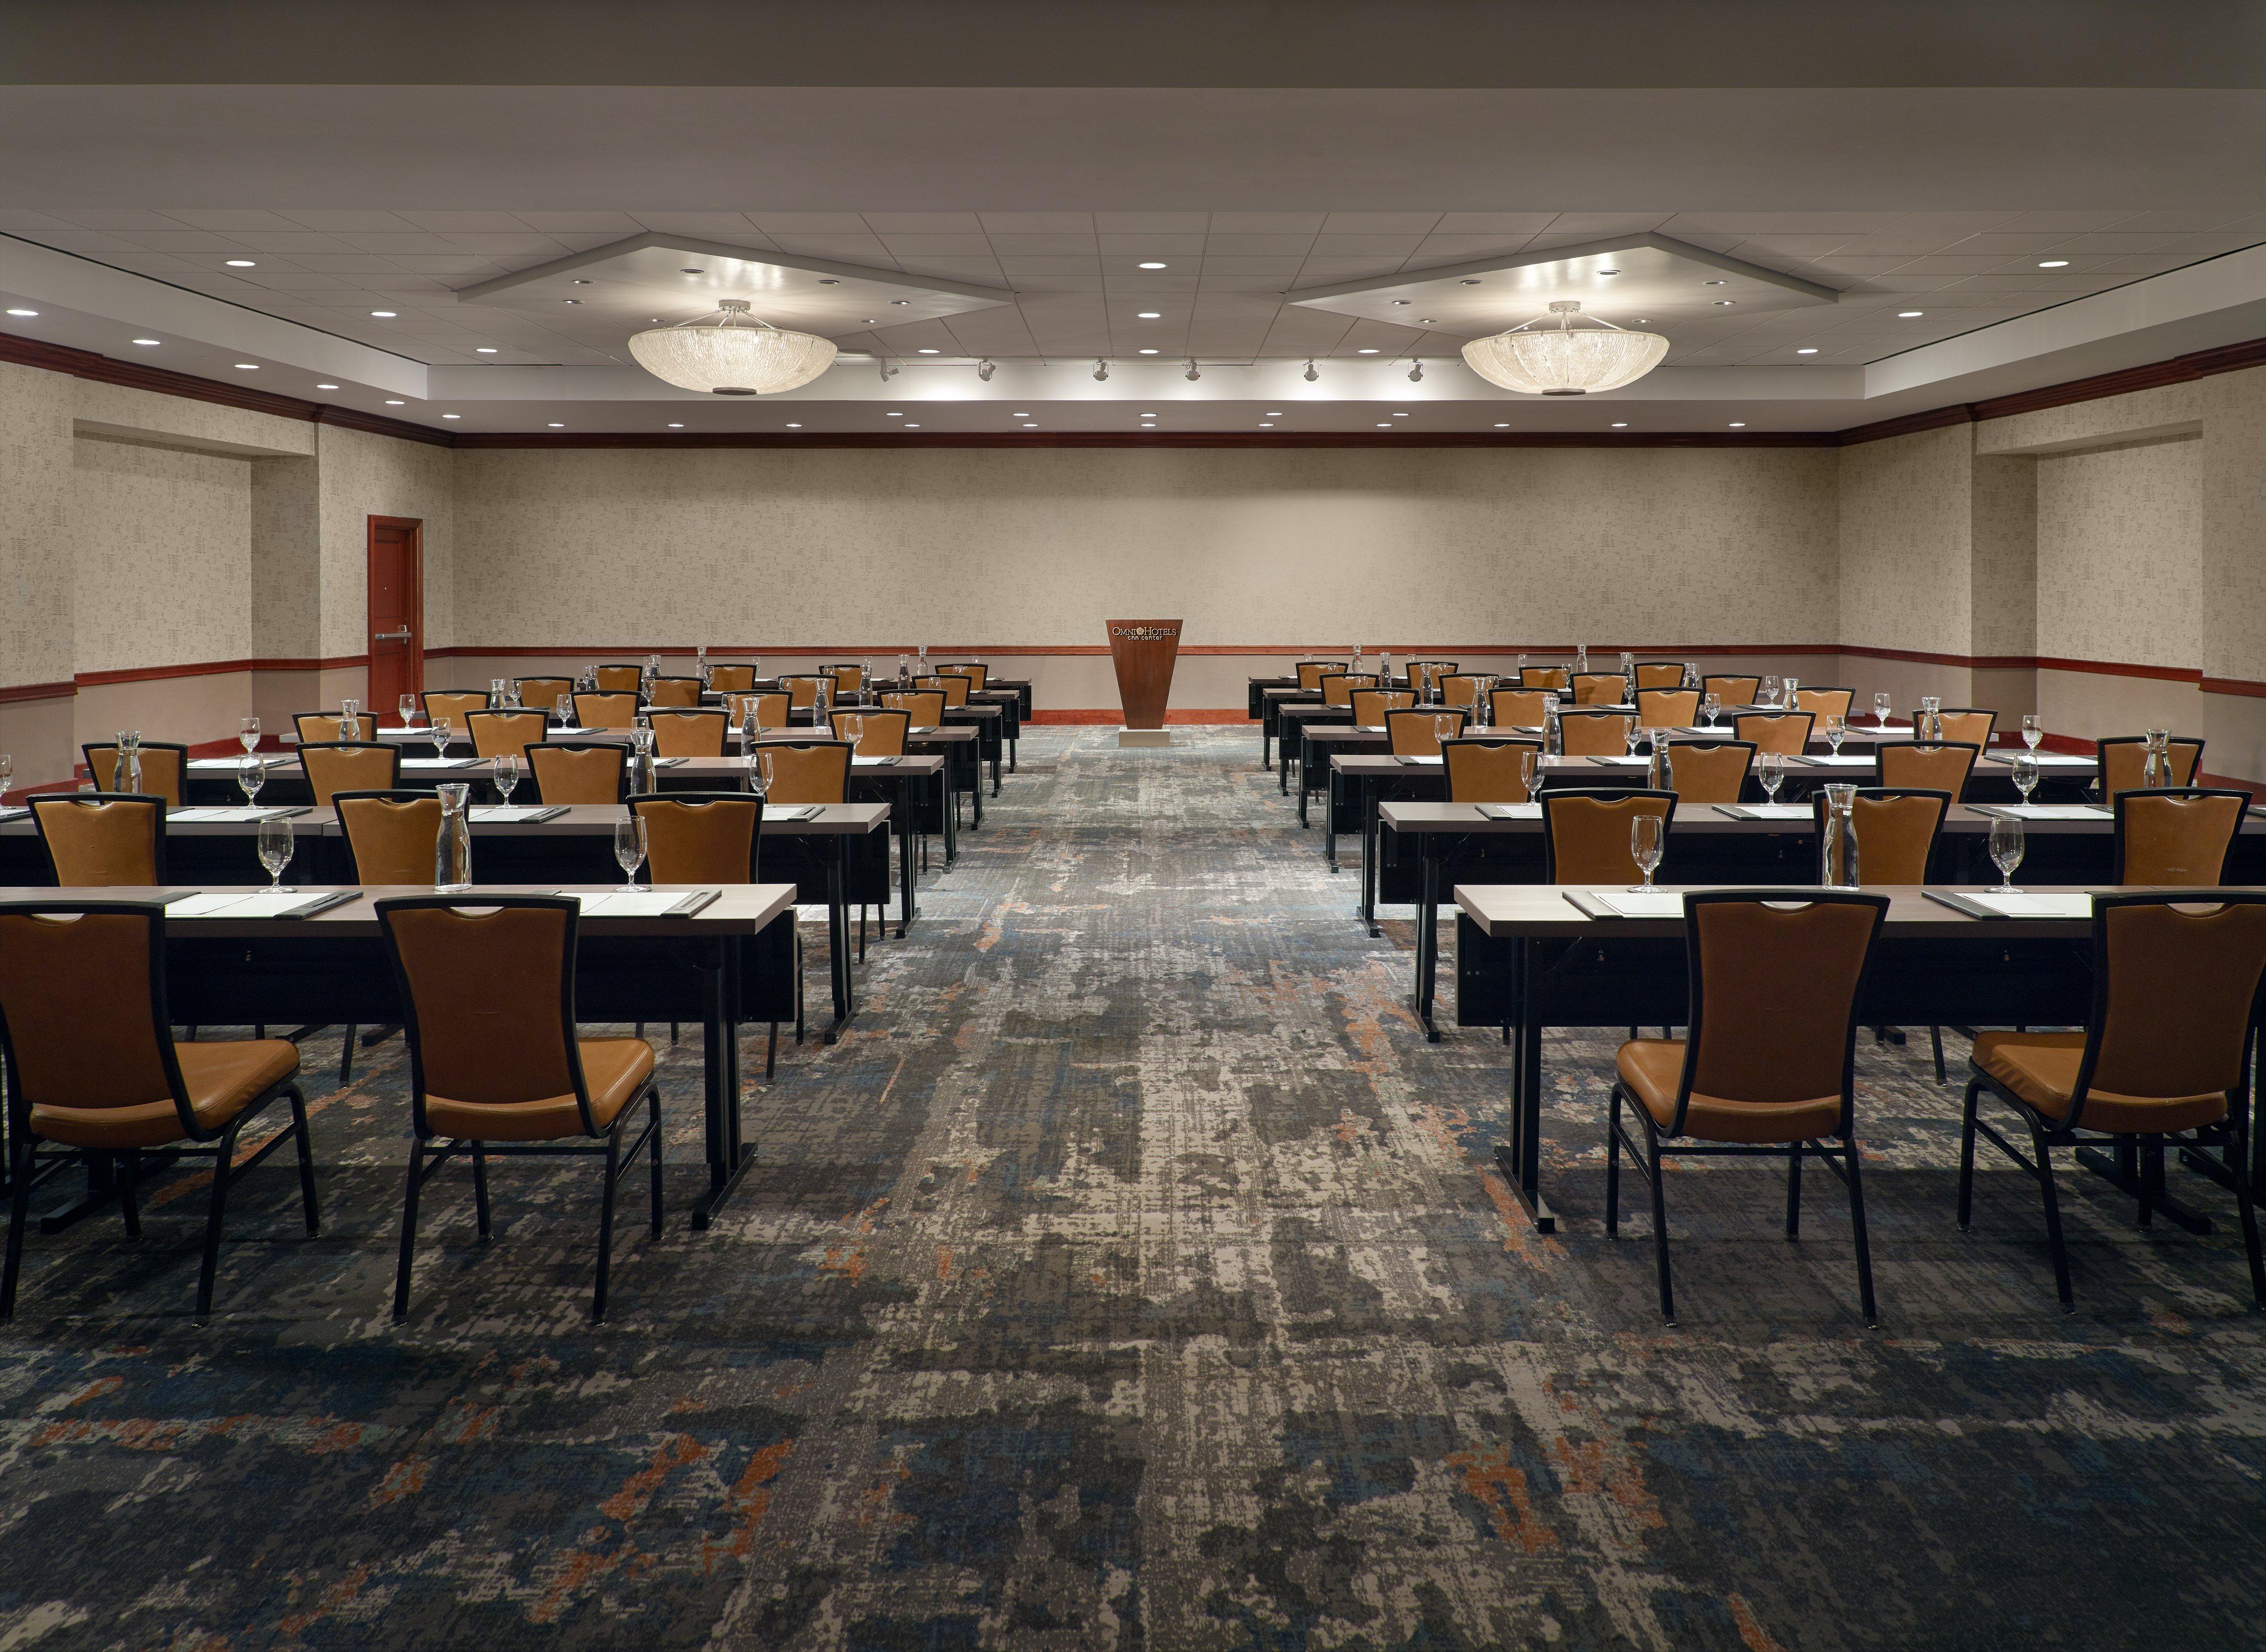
[(335, 221), (611, 223), (115, 218), (1151, 222), (1057, 242), (997, 224), (888, 224), (702, 223), (1302, 224), (778, 223), (1159, 243), (921, 245), (187, 241), (230, 221)]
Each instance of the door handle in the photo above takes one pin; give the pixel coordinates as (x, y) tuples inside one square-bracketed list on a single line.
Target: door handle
[(401, 635)]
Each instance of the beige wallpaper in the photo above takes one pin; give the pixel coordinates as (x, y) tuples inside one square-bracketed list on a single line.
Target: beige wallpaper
[(1904, 542), (2233, 528), (35, 493), (161, 550), (1003, 548), (360, 476), (2118, 559)]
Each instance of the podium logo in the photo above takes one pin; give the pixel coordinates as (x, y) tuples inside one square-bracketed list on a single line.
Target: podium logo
[(1145, 633)]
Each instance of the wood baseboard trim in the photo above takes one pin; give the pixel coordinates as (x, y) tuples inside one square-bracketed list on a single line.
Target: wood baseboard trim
[(1173, 719)]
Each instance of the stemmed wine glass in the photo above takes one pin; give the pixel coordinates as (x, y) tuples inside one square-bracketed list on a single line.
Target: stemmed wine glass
[(2034, 730), (1836, 730), (1881, 703), (506, 776), (1529, 759), (2025, 775), (247, 733), (408, 707), (444, 731), (1632, 734), (1645, 846), (7, 772), (851, 726), (2007, 853), (759, 771), (275, 852), (1711, 706), (1769, 690), (1770, 769), (629, 847), (250, 775), (563, 710)]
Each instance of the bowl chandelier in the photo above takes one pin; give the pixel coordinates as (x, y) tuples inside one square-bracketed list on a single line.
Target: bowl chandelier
[(731, 353), (1565, 362)]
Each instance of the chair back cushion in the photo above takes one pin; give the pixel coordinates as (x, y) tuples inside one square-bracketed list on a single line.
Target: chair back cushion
[(2174, 993), (817, 772), (619, 679), (1659, 674), (926, 706), (105, 841), (1667, 708), (978, 675), (674, 693), (333, 726), (165, 769), (1786, 733), (1311, 672), (453, 704), (488, 991), (602, 709), (1370, 706), (1600, 688), (389, 840), (689, 734), (802, 692), (543, 693), (1518, 707), (771, 709), (1823, 703), (1595, 733), (578, 774), (701, 837), (1417, 733), (342, 765), (1714, 771), (732, 679), (1896, 832), (504, 733), (848, 679), (1544, 676), (1732, 690), (76, 997), (2124, 761), (1906, 766), (1586, 834), (2181, 837), (1338, 687), (954, 689), (1776, 996), (875, 734), (1484, 771)]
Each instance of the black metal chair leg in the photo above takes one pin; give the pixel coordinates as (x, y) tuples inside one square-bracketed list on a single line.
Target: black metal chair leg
[(346, 1055), (1793, 1191), (675, 1032), (2150, 1178), (606, 1223), (480, 1189), (129, 1169), (408, 1230), (2245, 1202), (1659, 1215), (306, 1160), (1863, 1237), (652, 1116), (1613, 1167), (771, 1054), (1967, 1154), (215, 1213), (1935, 1038), (19, 1213), (2053, 1220)]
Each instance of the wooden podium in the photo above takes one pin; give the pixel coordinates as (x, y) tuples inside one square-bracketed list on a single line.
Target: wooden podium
[(1143, 651)]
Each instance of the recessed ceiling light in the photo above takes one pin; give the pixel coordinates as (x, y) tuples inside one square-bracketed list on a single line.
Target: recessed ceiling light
[(793, 427), (900, 301), (912, 427), (1384, 426), (1266, 427), (1424, 321), (1620, 424), (396, 404), (676, 427), (927, 352), (448, 415), (326, 387), (828, 281), (1807, 349), (1145, 352), (1152, 315), (1503, 427), (556, 426), (1020, 415), (1725, 302), (1275, 415), (1366, 352), (870, 321), (2053, 263), (1908, 314), (1710, 283), (1031, 427), (242, 263), (581, 281), (1469, 281), (23, 312), (385, 315), (145, 340), (570, 300), (690, 269), (247, 367), (1151, 264), (1400, 301), (1738, 424), (894, 415), (484, 349), (1400, 415)]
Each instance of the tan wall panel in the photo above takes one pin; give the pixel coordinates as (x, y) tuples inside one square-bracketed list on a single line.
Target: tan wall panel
[(188, 709), (1904, 530), (2119, 567), (162, 550), (2088, 705)]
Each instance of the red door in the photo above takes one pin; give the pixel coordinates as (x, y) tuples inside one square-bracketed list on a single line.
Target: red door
[(397, 611)]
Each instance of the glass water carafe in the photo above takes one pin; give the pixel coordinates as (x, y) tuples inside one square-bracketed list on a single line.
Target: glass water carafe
[(1660, 774), (643, 771), (1841, 835), (1930, 717), (125, 774), (452, 850), (2156, 769)]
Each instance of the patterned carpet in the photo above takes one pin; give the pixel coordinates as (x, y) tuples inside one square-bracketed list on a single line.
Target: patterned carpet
[(1135, 1276)]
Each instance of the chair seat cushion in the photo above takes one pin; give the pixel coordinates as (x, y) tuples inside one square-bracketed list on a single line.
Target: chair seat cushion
[(223, 1079), (1652, 1068), (2041, 1070), (613, 1068)]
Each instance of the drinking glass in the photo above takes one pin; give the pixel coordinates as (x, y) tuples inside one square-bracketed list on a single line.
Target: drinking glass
[(1836, 730), (1645, 846), (851, 726), (496, 686), (904, 670), (445, 730), (350, 708), (1881, 703), (1711, 707), (2033, 730), (652, 667), (864, 682), (506, 776), (275, 852), (2025, 774), (7, 770), (629, 848), (2007, 853), (1632, 734), (1691, 678), (1446, 726), (1628, 670), (250, 775), (1770, 769), (1528, 760), (563, 709), (1787, 689), (408, 709), (1769, 691), (247, 733)]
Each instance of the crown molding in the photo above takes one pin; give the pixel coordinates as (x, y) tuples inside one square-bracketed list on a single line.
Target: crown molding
[(1152, 439)]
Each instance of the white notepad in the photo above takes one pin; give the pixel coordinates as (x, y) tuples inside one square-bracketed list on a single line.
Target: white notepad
[(231, 764), (629, 903), (1512, 811), (1843, 761), (2046, 759), (438, 763), (500, 814), (2028, 905), (871, 762), (2053, 811), (217, 815), (1622, 763), (233, 903), (1769, 811), (1639, 903)]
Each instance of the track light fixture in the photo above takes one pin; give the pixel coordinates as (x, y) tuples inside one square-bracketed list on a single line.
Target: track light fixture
[(1310, 376), (1416, 372), (1100, 368), (1192, 375), (985, 368), (889, 372)]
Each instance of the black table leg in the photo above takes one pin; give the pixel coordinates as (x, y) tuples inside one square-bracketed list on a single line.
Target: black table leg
[(2123, 1171), (720, 1079), (1520, 1159), (951, 816), (1330, 815), (905, 861), (995, 774), (101, 1192), (1013, 747), (1428, 939), (1303, 820), (1369, 856), (837, 926)]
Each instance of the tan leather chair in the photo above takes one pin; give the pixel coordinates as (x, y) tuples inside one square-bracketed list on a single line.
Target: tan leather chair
[(879, 733), (1667, 708), (99, 840), (504, 733), (1962, 724), (1460, 688), (1338, 687), (542, 693), (806, 771), (1601, 688), (1897, 832), (849, 678), (1585, 835), (954, 689), (673, 693), (2124, 761), (732, 679), (333, 766), (488, 996), (689, 734), (1659, 674), (1518, 708), (1710, 771), (1769, 1067), (1823, 703), (978, 676), (452, 704), (1416, 733), (1544, 676), (2163, 1059), (771, 709), (93, 1067), (164, 768), (2183, 836), (578, 774), (1370, 706), (1481, 769), (1731, 690), (701, 837), (330, 727), (1422, 673), (1786, 733), (1311, 673), (619, 679), (926, 706), (1595, 733), (802, 692), (1908, 766), (391, 835), (606, 711)]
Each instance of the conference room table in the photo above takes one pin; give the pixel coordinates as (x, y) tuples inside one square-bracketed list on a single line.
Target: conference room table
[(2065, 847), (830, 856), (330, 967), (1530, 958)]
